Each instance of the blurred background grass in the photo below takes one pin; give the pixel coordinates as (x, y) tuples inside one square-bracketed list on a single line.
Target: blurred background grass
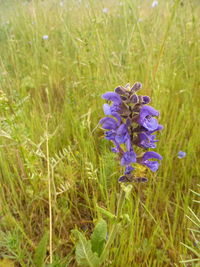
[(55, 84)]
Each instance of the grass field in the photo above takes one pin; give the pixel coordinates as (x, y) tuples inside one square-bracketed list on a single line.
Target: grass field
[(52, 154)]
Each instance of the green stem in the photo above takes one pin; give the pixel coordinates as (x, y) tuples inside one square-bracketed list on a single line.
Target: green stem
[(115, 227), (49, 193)]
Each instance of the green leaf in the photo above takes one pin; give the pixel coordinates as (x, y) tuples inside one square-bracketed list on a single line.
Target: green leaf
[(105, 212), (84, 254), (98, 237), (40, 251)]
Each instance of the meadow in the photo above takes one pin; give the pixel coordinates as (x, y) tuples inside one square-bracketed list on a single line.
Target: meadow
[(56, 60)]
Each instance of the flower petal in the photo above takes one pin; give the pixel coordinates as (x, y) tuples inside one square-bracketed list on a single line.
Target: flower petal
[(120, 90), (117, 116), (136, 87), (122, 134), (128, 169), (106, 109), (146, 99), (151, 124), (159, 128), (147, 140), (128, 158), (147, 111), (181, 154), (112, 96), (110, 135), (152, 165), (150, 155), (109, 123)]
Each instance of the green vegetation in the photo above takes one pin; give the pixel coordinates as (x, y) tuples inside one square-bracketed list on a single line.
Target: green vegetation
[(50, 105)]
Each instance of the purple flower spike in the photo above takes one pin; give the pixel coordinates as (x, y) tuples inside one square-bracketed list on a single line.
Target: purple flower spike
[(130, 121), (128, 158), (112, 96), (181, 154)]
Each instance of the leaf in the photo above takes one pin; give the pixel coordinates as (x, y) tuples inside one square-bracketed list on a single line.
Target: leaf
[(105, 212), (40, 251), (84, 254), (98, 237)]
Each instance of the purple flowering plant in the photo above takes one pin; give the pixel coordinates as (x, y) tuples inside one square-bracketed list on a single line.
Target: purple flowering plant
[(131, 124)]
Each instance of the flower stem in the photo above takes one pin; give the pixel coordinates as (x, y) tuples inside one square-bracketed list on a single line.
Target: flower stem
[(115, 228), (49, 192)]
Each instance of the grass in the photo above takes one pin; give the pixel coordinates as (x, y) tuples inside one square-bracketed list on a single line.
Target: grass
[(61, 80)]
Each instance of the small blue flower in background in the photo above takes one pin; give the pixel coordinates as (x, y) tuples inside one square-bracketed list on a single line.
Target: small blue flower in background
[(154, 4), (131, 122), (181, 154), (45, 37), (105, 10)]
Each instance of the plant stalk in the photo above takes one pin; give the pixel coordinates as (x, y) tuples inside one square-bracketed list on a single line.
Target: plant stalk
[(115, 228), (49, 193)]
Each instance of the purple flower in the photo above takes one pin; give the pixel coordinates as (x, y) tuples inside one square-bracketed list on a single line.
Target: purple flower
[(106, 109), (159, 128), (181, 154), (45, 37), (122, 116), (128, 169), (146, 118), (154, 4), (122, 134), (146, 140), (152, 165), (112, 96), (136, 87), (146, 99), (121, 90), (110, 135), (128, 158), (109, 123), (115, 149)]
